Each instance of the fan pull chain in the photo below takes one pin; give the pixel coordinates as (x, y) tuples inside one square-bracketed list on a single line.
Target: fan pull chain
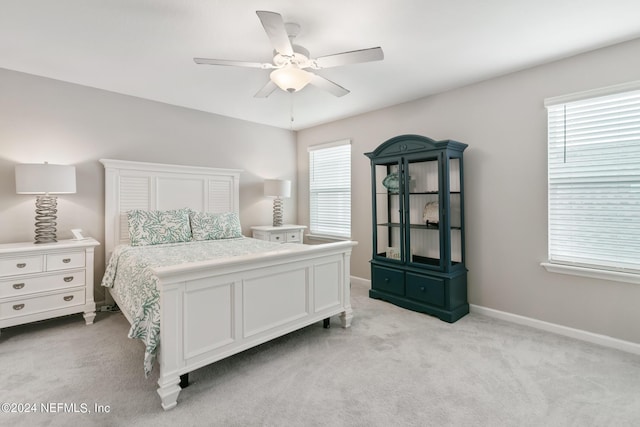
[(291, 112)]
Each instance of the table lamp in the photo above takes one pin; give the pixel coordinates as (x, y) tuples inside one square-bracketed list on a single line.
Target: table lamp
[(278, 189), (45, 179)]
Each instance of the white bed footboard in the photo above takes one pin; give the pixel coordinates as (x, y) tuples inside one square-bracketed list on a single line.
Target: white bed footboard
[(212, 310)]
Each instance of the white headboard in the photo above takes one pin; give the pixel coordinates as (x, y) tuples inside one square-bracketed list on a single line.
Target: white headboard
[(153, 186)]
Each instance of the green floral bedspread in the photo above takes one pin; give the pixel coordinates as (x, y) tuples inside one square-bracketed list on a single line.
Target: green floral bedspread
[(130, 276)]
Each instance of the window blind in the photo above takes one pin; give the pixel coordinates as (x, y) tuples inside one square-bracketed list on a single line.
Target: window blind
[(330, 189), (594, 182)]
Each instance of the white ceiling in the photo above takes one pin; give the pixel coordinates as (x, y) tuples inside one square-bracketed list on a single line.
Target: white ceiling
[(145, 48)]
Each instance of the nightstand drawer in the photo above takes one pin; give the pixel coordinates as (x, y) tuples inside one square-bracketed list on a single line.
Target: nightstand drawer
[(278, 237), (260, 235), (287, 233), (44, 303), (21, 265), (63, 261), (25, 286), (294, 236)]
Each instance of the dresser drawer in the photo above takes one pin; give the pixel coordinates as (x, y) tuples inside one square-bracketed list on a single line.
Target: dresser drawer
[(20, 265), (30, 285), (63, 261), (387, 280), (425, 289), (43, 303)]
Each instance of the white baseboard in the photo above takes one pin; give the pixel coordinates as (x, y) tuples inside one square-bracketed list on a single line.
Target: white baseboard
[(360, 281), (579, 334), (603, 340)]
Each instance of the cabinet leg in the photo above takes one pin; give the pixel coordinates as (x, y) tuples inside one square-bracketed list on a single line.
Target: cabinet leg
[(326, 323)]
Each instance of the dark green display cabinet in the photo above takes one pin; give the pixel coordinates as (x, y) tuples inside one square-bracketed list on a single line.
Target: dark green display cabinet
[(418, 226)]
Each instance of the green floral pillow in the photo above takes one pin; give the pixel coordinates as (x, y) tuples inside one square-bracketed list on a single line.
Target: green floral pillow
[(214, 226), (156, 227)]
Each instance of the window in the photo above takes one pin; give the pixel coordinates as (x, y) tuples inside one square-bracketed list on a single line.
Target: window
[(330, 189), (594, 181)]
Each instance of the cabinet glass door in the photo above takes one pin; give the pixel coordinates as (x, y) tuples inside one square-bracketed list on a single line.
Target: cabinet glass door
[(424, 213), (389, 240), (455, 210)]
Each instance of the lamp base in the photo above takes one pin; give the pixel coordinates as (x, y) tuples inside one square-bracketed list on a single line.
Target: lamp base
[(46, 209), (277, 212)]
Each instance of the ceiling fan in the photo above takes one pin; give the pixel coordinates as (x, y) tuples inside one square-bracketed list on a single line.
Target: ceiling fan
[(291, 61)]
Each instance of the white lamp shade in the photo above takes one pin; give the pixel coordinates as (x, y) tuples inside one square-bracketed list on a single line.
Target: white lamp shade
[(290, 78), (277, 188), (43, 178)]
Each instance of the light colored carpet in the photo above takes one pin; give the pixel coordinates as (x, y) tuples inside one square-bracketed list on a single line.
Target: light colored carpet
[(393, 367)]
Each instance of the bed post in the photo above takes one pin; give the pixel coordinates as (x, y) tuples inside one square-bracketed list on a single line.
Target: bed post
[(169, 391), (347, 314)]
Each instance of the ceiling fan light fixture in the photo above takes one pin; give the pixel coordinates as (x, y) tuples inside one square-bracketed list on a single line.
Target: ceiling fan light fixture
[(291, 78)]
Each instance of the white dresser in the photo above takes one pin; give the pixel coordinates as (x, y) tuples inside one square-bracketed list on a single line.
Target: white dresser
[(287, 233), (41, 281)]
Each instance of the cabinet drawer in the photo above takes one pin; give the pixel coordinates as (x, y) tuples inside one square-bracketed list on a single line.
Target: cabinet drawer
[(278, 237), (20, 265), (25, 286), (387, 280), (63, 261), (39, 304), (426, 289), (294, 236)]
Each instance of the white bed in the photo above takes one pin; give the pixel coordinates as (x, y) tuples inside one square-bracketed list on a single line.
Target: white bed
[(243, 300)]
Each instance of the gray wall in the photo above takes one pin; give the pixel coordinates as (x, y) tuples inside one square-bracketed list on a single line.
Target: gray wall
[(48, 120), (504, 122)]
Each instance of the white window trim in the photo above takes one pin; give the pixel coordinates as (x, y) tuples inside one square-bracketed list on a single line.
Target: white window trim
[(594, 93), (592, 272), (324, 238)]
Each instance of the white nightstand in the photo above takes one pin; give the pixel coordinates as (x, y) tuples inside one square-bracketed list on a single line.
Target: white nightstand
[(41, 281), (287, 233)]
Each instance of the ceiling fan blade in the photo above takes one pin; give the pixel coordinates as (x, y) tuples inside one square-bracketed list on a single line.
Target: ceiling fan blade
[(352, 57), (209, 61), (266, 90), (328, 85), (274, 27)]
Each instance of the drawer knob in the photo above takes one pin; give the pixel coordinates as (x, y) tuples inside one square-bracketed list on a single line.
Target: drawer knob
[(18, 286), (66, 260), (277, 237), (21, 265), (68, 279), (386, 279), (18, 307), (68, 298), (422, 288)]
